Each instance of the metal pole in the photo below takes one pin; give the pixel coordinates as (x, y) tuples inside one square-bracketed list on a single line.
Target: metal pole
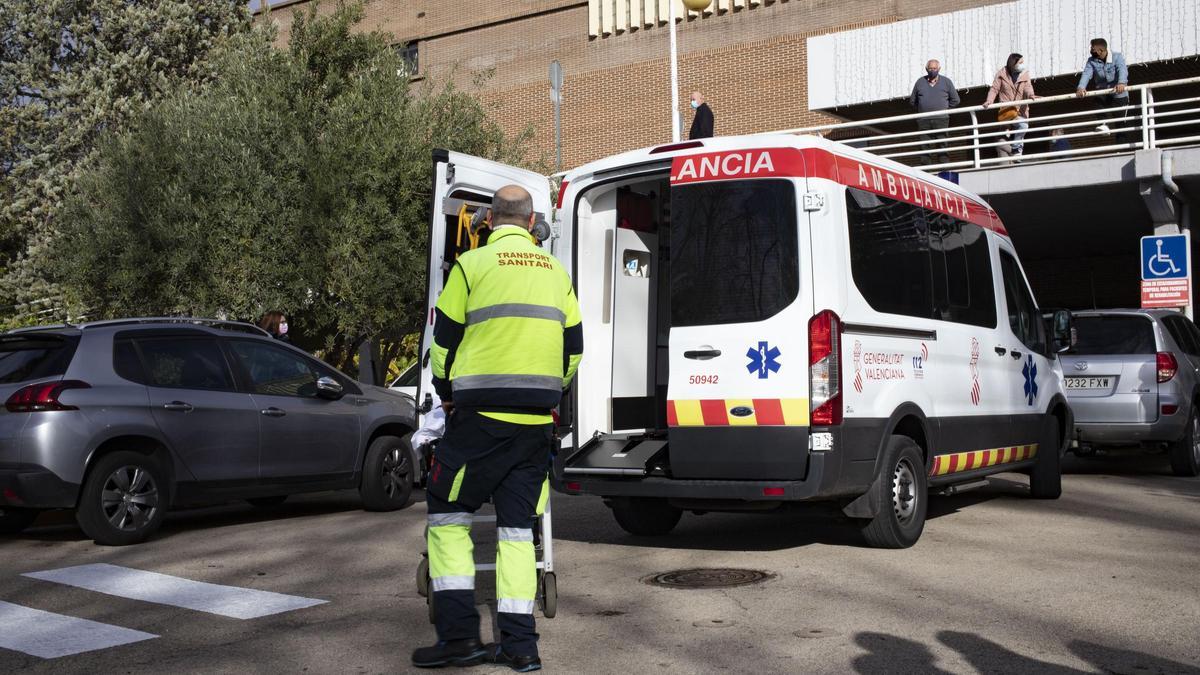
[(558, 133), (675, 131), (975, 137)]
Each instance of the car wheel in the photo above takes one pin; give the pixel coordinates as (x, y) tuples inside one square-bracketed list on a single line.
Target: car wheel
[(1045, 478), (387, 480), (13, 520), (267, 502), (903, 496), (1185, 453), (644, 516), (124, 499)]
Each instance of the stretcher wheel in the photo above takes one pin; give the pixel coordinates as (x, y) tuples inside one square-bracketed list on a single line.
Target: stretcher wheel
[(549, 595), (423, 577)]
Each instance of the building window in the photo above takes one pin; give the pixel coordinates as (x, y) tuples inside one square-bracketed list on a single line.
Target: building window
[(410, 53)]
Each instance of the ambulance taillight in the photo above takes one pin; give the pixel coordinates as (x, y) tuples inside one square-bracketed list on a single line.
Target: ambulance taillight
[(825, 369)]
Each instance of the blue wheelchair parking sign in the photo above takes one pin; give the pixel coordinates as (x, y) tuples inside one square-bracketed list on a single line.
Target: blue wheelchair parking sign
[(1165, 257)]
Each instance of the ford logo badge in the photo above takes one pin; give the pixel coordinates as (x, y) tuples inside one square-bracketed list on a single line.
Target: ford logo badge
[(1081, 365), (742, 411)]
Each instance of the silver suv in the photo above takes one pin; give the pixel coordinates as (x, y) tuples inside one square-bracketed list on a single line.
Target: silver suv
[(120, 420), (1133, 377)]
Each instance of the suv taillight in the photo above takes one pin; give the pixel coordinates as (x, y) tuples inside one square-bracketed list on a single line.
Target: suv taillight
[(825, 368), (43, 396), (1167, 366)]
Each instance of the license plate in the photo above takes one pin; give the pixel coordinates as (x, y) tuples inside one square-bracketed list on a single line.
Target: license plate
[(1089, 383)]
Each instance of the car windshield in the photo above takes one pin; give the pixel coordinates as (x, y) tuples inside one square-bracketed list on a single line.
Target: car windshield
[(408, 378), (1103, 335), (25, 358)]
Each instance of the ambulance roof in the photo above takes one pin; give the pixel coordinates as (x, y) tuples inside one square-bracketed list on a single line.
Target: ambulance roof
[(669, 151)]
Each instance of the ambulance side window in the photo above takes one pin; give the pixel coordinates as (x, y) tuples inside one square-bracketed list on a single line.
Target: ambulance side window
[(963, 291), (1023, 315), (889, 254)]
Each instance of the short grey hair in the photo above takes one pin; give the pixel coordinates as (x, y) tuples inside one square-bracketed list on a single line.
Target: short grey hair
[(511, 205)]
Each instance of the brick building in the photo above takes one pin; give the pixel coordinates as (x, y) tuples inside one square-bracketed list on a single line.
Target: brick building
[(748, 56)]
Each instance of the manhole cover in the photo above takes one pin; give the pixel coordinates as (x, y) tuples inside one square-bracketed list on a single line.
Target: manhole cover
[(708, 578)]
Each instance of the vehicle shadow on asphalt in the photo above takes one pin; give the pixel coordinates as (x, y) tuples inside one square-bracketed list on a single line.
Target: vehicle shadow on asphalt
[(60, 526), (888, 653), (796, 527)]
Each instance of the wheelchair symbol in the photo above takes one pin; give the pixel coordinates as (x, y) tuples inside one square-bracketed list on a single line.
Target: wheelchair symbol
[(1161, 261)]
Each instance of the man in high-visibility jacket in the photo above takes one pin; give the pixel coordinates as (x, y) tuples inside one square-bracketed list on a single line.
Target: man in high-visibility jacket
[(507, 341)]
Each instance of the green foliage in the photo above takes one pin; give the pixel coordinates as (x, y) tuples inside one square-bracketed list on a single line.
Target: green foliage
[(72, 71), (295, 180)]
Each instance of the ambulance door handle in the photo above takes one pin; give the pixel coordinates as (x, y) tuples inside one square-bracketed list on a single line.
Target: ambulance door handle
[(1001, 351), (702, 354), (1016, 355)]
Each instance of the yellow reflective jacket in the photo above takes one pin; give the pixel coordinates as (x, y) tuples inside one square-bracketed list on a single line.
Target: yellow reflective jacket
[(507, 335)]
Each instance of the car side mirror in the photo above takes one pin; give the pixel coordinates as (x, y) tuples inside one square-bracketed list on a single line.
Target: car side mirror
[(329, 388), (1063, 330)]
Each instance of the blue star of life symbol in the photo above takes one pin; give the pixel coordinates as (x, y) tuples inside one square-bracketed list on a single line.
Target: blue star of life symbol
[(763, 360), (1030, 373)]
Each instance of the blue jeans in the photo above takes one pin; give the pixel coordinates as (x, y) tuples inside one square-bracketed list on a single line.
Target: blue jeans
[(1016, 132)]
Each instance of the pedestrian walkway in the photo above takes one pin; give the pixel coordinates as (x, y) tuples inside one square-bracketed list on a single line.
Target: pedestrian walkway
[(49, 635)]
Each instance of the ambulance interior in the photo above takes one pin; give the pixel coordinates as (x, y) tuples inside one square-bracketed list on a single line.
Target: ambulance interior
[(623, 239)]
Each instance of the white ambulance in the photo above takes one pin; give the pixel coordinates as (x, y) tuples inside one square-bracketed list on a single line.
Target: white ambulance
[(774, 319)]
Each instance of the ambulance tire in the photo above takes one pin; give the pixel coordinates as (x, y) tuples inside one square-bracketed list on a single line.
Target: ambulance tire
[(644, 516), (1185, 453), (1045, 478), (903, 496)]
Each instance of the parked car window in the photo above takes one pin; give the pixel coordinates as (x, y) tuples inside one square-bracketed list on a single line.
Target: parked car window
[(1023, 315), (411, 377), (735, 251), (24, 358), (277, 371), (1178, 326), (184, 363), (1191, 329), (126, 362), (1113, 335)]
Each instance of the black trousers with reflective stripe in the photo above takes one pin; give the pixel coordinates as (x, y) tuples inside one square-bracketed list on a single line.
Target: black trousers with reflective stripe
[(507, 463)]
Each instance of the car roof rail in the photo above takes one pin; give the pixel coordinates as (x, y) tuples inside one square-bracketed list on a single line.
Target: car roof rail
[(34, 329), (214, 323)]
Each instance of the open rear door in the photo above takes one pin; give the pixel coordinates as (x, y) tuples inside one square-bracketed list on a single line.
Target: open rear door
[(463, 185)]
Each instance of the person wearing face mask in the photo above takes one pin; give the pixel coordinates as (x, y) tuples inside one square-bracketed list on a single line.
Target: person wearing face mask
[(1012, 83), (702, 123), (276, 324), (1107, 70), (932, 93)]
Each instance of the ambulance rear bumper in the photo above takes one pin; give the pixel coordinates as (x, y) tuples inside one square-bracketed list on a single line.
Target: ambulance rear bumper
[(820, 483)]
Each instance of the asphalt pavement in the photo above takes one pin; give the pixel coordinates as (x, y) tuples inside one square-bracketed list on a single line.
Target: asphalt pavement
[(1104, 580)]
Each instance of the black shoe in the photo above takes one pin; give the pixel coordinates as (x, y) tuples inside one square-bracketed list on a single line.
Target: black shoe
[(521, 664), (450, 653)]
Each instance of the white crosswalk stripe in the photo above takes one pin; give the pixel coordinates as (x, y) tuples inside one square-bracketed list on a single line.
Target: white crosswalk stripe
[(49, 635), (163, 589)]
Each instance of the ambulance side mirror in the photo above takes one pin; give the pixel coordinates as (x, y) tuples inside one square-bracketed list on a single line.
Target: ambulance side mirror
[(1062, 330)]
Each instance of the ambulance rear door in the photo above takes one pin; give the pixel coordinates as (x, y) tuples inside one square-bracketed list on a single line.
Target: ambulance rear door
[(741, 302), (463, 185)]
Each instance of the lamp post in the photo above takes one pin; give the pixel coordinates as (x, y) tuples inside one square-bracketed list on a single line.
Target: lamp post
[(695, 6)]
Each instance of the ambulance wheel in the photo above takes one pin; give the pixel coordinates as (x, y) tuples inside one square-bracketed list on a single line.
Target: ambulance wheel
[(903, 493), (423, 577), (644, 516), (549, 595), (1045, 478), (1185, 453)]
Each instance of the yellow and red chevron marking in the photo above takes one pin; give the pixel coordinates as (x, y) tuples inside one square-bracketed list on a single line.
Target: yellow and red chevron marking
[(791, 412), (978, 459)]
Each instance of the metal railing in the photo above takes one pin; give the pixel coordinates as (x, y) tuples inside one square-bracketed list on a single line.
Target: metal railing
[(1150, 119)]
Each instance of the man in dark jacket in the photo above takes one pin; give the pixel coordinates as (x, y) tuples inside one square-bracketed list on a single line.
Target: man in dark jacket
[(931, 93), (702, 123)]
